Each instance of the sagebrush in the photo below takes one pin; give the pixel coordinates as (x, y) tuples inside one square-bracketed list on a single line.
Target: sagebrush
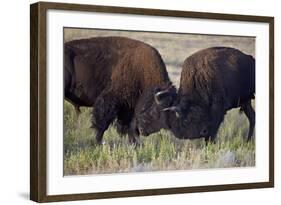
[(158, 152)]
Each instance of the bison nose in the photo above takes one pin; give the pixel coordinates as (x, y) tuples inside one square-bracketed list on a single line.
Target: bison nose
[(204, 132)]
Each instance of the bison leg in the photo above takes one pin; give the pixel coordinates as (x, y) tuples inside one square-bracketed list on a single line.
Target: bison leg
[(103, 114), (210, 139), (133, 134), (99, 136), (133, 139), (207, 140), (250, 113)]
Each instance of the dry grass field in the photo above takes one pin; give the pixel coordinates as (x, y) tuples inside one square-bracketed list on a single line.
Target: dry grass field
[(160, 151)]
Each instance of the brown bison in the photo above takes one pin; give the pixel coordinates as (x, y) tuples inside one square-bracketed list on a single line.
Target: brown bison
[(213, 81), (112, 75)]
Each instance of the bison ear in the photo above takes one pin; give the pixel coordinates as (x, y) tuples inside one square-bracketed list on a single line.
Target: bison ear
[(174, 109)]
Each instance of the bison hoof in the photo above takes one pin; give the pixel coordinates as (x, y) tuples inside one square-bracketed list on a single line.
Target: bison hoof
[(210, 140), (134, 142), (100, 142)]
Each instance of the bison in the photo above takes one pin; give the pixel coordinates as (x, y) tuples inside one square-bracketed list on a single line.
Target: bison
[(213, 81), (113, 75)]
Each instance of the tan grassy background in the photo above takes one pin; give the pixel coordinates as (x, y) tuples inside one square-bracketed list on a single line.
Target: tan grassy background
[(160, 151)]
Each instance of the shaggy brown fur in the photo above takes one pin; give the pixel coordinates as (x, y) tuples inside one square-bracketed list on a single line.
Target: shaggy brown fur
[(213, 81), (110, 74)]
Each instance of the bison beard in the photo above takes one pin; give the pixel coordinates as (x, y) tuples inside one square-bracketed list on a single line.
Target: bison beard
[(111, 74), (213, 81)]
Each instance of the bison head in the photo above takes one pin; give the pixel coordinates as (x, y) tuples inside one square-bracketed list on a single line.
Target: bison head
[(150, 116), (158, 108), (189, 122)]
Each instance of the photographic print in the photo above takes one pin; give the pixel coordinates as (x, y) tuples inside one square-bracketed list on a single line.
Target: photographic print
[(148, 101), (134, 102)]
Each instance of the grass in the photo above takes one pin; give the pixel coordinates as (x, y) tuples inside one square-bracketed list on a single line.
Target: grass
[(159, 151)]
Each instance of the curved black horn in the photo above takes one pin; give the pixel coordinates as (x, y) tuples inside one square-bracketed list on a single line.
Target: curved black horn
[(175, 109), (158, 95)]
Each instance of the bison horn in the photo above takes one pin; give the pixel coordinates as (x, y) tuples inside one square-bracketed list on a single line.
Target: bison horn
[(158, 95), (174, 109)]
